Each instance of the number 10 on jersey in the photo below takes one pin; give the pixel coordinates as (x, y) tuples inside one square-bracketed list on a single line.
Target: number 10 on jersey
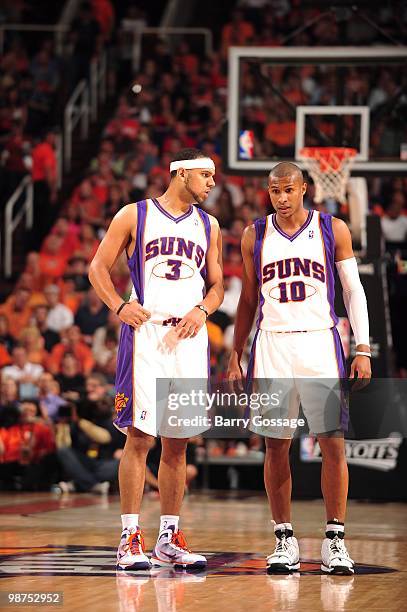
[(292, 292)]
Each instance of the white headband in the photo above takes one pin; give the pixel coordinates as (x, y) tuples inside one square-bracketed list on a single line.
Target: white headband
[(205, 163)]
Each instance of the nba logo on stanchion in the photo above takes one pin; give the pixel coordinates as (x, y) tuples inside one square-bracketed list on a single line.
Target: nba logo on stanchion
[(246, 144)]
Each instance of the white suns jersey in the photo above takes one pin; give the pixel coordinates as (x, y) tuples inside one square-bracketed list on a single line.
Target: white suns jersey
[(168, 266), (296, 275)]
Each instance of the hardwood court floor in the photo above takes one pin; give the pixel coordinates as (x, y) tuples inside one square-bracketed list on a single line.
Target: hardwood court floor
[(68, 544)]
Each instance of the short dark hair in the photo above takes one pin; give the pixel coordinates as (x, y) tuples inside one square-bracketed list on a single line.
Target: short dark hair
[(284, 169), (189, 153)]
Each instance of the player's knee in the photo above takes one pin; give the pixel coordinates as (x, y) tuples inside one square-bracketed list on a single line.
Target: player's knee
[(332, 449), (277, 449), (174, 448), (138, 442)]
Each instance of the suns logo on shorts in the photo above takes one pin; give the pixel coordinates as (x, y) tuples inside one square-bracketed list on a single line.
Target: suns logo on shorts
[(120, 402)]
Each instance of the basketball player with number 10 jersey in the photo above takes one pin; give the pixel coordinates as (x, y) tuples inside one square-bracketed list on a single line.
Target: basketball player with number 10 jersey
[(289, 262)]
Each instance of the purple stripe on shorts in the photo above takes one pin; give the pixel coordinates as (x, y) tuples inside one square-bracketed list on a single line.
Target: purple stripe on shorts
[(208, 354), (124, 378), (340, 358), (136, 261), (325, 224), (251, 364), (260, 227)]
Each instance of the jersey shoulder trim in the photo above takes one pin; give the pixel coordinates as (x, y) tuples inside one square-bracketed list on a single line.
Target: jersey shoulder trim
[(206, 223)]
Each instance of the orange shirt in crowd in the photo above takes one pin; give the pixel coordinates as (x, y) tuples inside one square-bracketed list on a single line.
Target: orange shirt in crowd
[(100, 190), (38, 436), (17, 320), (44, 162), (233, 34), (70, 244), (51, 267), (5, 358), (81, 351)]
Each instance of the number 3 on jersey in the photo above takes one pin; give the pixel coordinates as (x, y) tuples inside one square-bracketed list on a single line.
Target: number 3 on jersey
[(175, 265)]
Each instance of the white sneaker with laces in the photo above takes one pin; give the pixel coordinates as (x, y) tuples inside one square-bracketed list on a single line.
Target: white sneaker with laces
[(130, 554), (172, 550), (335, 557), (286, 555)]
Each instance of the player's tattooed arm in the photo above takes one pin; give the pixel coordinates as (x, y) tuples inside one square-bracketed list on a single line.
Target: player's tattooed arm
[(248, 302), (119, 236), (192, 322)]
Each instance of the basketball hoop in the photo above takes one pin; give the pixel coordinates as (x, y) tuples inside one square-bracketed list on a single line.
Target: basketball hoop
[(329, 168)]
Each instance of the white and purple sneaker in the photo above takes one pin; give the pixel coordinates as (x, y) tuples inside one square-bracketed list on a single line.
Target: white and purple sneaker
[(171, 550), (130, 554)]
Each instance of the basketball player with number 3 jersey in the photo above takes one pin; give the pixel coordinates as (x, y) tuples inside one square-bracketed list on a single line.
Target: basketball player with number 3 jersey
[(174, 257), (289, 260)]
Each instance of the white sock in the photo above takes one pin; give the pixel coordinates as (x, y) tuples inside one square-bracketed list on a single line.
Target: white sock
[(168, 520), (282, 526), (335, 525), (130, 521)]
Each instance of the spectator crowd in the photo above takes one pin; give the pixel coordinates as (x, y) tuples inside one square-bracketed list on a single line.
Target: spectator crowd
[(58, 341)]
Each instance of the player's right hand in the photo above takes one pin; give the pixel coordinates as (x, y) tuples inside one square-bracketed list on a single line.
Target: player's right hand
[(234, 373), (134, 314)]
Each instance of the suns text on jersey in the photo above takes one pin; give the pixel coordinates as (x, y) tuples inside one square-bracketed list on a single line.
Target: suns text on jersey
[(174, 245), (293, 266)]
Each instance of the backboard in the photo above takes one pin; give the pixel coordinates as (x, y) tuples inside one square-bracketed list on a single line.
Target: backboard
[(281, 99)]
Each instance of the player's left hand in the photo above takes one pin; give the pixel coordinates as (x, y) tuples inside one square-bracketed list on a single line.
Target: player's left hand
[(361, 367), (191, 323)]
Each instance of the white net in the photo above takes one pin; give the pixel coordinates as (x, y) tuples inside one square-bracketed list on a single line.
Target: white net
[(329, 168)]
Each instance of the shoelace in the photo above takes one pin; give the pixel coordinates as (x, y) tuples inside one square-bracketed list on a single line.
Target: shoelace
[(282, 544), (136, 543), (337, 546), (178, 539)]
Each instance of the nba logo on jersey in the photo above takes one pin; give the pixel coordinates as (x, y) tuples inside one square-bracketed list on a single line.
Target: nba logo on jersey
[(311, 234), (143, 415), (246, 144)]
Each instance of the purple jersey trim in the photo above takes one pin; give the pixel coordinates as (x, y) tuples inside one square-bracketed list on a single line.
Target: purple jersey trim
[(207, 227), (340, 358), (169, 215), (260, 226), (136, 261), (298, 232), (328, 242)]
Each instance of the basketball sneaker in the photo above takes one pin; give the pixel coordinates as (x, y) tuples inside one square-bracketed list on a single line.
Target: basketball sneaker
[(335, 557), (286, 555), (130, 554), (172, 550)]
